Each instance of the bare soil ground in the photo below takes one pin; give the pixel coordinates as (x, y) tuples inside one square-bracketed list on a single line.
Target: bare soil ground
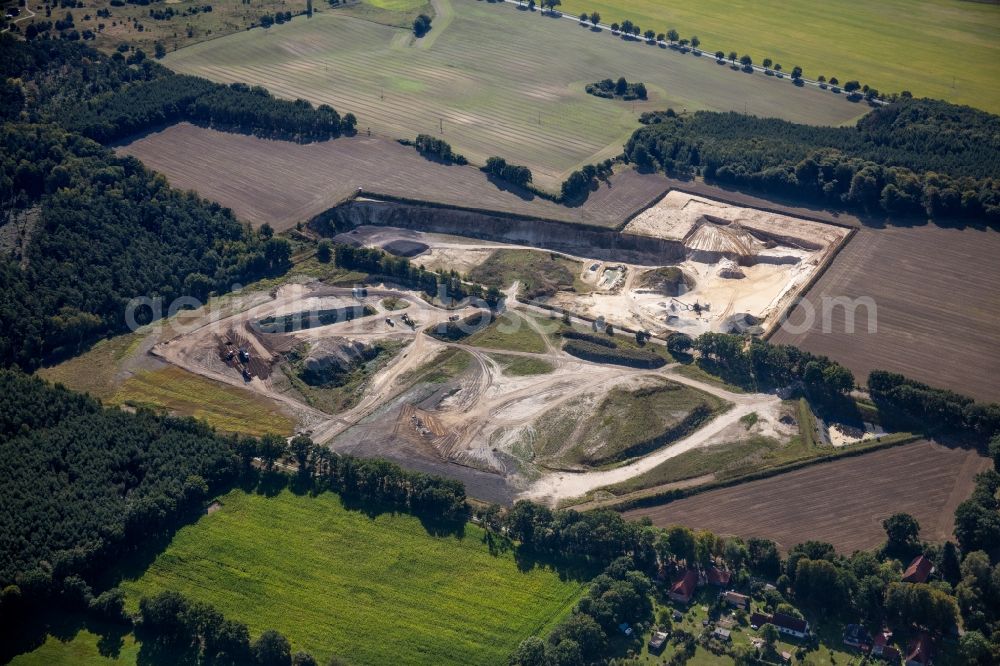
[(936, 303), (463, 419), (842, 502), (618, 293), (281, 182)]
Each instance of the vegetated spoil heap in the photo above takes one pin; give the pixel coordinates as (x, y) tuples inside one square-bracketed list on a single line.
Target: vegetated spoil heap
[(330, 359)]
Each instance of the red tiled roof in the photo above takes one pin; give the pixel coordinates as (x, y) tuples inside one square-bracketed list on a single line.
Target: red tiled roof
[(718, 576), (686, 584), (918, 571)]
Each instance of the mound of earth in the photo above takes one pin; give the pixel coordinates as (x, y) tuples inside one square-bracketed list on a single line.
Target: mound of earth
[(405, 248), (541, 274), (667, 280), (742, 322), (710, 238), (328, 362)]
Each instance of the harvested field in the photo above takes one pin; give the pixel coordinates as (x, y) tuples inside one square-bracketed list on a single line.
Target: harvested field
[(842, 502), (936, 302), (281, 182), (494, 81)]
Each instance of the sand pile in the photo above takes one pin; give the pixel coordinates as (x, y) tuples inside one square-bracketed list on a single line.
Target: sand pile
[(731, 240)]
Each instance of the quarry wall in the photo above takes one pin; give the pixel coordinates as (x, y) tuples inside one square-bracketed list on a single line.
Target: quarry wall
[(579, 239)]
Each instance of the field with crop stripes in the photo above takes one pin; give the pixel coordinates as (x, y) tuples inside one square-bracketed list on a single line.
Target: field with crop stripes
[(946, 49), (371, 590), (842, 502), (933, 308), (494, 80), (282, 183)]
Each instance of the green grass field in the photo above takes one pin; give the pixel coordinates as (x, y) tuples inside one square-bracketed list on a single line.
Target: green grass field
[(80, 650), (370, 590), (947, 49), (509, 332), (97, 370), (225, 407), (522, 366), (497, 80)]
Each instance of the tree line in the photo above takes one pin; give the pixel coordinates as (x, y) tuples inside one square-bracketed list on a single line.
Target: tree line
[(902, 403), (236, 107), (512, 173), (759, 365), (195, 632), (121, 99), (377, 262), (910, 403), (84, 485), (438, 149), (579, 183), (914, 156), (629, 30)]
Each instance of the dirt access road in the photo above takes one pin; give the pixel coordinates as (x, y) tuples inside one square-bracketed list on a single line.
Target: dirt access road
[(486, 401)]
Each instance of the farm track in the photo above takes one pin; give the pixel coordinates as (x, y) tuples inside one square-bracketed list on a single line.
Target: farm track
[(842, 502), (494, 81), (935, 293)]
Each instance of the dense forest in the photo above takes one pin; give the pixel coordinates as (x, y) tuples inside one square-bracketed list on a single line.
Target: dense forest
[(110, 99), (86, 231), (96, 231), (914, 156), (82, 484)]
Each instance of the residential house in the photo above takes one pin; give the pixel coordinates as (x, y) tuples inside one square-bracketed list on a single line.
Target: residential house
[(723, 635), (790, 625), (881, 642), (785, 624), (684, 587), (657, 641), (718, 577), (736, 600), (857, 636), (919, 570)]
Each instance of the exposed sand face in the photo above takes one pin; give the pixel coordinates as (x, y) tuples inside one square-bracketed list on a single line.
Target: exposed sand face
[(776, 255), (675, 217)]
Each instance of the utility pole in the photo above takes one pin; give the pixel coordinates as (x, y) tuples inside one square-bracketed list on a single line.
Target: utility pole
[(441, 125)]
